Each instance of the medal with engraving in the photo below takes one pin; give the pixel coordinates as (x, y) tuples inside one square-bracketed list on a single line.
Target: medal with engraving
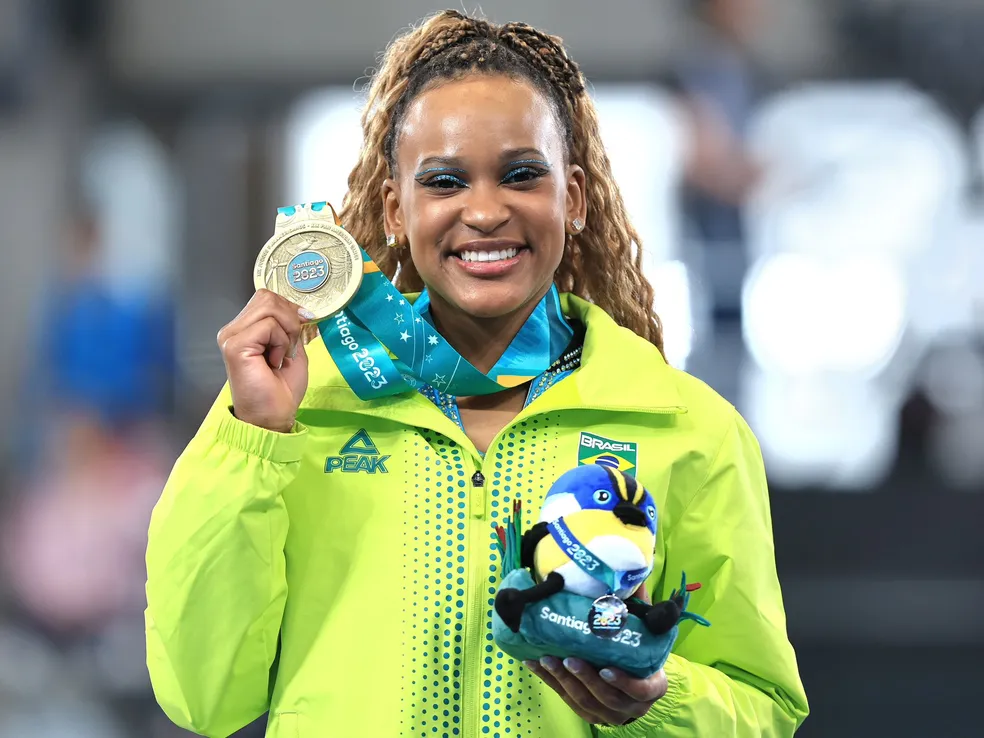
[(310, 260), (607, 617)]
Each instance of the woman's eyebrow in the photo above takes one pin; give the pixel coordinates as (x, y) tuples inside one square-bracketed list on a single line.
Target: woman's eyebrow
[(431, 170), (442, 162), (526, 152)]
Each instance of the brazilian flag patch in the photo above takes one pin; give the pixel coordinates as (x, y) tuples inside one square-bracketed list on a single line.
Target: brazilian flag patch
[(621, 455)]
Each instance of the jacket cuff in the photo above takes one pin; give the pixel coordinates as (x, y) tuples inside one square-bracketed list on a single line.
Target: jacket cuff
[(652, 722), (283, 448)]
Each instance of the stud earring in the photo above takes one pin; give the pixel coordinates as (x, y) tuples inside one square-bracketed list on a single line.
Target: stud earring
[(391, 240), (577, 224)]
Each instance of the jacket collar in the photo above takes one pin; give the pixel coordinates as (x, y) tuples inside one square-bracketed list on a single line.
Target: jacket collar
[(619, 372)]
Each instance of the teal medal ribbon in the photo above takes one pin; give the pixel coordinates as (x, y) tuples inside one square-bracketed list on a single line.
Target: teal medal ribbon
[(379, 321), (590, 564)]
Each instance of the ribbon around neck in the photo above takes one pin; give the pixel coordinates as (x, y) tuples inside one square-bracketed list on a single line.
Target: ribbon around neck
[(384, 345), (591, 565)]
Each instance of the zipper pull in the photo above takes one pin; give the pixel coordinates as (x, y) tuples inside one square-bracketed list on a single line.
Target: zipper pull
[(476, 503)]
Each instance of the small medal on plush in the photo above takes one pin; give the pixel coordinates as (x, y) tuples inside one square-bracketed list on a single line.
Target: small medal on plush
[(568, 581), (607, 617)]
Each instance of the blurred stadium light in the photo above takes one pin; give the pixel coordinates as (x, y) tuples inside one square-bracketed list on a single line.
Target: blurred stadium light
[(325, 140), (855, 168), (646, 143), (129, 181), (864, 183), (821, 431), (674, 305), (814, 314)]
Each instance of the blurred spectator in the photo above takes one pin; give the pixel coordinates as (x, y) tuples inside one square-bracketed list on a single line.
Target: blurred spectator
[(108, 354), (106, 359), (719, 84), (94, 459), (94, 456), (72, 543)]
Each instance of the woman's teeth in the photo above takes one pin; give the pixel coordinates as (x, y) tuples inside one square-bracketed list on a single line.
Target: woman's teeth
[(488, 255)]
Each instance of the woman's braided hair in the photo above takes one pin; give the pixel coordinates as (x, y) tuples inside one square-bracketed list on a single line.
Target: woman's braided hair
[(603, 263)]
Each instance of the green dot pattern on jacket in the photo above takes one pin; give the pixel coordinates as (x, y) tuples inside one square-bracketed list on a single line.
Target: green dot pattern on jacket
[(505, 681), (437, 571), (435, 590)]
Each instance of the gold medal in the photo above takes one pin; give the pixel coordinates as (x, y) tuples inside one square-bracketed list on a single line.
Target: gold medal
[(310, 260)]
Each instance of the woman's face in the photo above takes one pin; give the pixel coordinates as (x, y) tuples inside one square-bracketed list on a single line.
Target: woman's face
[(482, 194)]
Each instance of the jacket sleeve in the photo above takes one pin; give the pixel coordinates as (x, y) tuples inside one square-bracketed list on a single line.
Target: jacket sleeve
[(737, 678), (216, 582)]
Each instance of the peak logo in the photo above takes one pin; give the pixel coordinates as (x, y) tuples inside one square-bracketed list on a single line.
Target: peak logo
[(359, 454), (621, 455)]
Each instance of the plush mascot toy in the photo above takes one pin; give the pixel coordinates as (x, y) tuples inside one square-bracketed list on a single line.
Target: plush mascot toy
[(567, 582)]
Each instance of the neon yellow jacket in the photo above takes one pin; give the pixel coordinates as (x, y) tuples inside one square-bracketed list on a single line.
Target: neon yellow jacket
[(341, 576)]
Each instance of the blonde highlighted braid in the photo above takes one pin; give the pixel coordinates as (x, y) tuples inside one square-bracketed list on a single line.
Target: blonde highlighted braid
[(602, 263)]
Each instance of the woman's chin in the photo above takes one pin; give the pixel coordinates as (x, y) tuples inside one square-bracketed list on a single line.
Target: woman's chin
[(492, 301)]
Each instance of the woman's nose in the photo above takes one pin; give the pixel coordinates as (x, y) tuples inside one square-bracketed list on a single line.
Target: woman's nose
[(484, 208)]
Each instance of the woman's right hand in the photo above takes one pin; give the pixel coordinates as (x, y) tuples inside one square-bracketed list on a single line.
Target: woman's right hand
[(265, 360)]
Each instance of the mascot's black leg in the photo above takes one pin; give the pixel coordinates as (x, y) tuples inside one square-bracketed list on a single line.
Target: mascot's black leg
[(511, 602), (660, 618)]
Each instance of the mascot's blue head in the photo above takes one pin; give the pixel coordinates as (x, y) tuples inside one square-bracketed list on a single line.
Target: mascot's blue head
[(599, 487)]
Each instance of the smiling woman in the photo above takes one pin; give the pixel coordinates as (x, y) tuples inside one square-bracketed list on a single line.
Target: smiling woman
[(482, 192), (326, 558), (525, 95)]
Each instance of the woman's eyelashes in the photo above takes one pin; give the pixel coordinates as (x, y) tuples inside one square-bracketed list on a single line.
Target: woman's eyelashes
[(441, 177), (525, 170), (522, 174), (517, 173), (443, 181)]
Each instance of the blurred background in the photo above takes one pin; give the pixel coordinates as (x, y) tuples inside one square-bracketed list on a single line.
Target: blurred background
[(807, 178)]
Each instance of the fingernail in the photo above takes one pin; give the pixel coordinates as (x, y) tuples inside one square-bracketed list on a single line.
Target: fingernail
[(531, 665), (306, 314), (573, 665), (293, 350), (607, 674), (550, 664)]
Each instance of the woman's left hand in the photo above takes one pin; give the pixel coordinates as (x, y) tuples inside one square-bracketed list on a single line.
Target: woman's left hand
[(608, 697)]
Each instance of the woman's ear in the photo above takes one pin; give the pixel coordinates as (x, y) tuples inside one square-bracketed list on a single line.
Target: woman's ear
[(577, 201), (392, 214)]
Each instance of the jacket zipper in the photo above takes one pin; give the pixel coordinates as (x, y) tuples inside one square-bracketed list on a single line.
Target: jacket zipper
[(480, 533), (472, 641)]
